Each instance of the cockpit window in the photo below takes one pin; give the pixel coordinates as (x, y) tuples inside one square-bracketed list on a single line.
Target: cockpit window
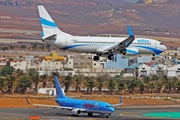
[(160, 43), (109, 106)]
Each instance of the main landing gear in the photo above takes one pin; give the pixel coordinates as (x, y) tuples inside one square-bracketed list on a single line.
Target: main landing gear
[(110, 57), (153, 58), (90, 114)]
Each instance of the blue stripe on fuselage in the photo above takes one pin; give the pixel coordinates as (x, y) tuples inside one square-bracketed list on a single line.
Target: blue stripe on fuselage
[(73, 46), (131, 51), (157, 51), (78, 45), (47, 22)]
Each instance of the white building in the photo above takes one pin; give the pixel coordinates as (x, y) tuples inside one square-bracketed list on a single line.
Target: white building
[(174, 71), (49, 91), (23, 65)]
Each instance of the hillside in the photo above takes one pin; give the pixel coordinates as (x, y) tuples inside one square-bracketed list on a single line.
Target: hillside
[(94, 17)]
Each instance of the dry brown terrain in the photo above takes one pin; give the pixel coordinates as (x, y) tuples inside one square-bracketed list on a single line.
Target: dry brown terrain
[(92, 17), (18, 101)]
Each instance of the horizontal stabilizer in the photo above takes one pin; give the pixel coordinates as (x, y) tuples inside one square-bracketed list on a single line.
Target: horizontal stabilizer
[(52, 37)]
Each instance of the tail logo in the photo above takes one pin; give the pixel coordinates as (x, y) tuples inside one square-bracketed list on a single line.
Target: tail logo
[(57, 91), (47, 22)]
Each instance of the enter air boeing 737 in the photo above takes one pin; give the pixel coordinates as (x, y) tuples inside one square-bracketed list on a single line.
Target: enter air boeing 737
[(77, 106), (101, 46)]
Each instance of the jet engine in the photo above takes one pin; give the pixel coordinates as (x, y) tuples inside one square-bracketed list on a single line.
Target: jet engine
[(132, 51), (76, 112)]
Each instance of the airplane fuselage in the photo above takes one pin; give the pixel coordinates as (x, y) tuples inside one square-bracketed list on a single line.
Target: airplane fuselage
[(84, 44), (90, 106)]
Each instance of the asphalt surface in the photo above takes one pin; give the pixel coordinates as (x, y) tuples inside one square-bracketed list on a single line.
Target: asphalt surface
[(122, 113)]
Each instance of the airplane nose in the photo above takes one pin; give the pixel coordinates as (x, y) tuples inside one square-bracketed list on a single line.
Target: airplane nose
[(111, 109), (165, 48)]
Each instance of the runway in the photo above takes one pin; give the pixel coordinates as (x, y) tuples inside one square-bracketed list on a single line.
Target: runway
[(122, 113)]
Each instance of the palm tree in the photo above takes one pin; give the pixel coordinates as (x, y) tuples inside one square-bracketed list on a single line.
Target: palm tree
[(7, 72), (48, 47), (34, 76), (168, 83), (34, 45), (146, 81), (110, 85), (67, 81), (2, 85), (43, 79), (154, 77), (17, 74), (141, 86), (89, 84), (178, 86), (151, 86), (132, 85), (120, 86), (99, 84), (158, 86), (23, 83), (10, 83), (22, 47), (77, 79), (41, 47), (11, 47), (176, 82)]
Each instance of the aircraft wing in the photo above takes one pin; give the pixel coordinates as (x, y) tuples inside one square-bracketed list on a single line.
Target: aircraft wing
[(53, 106), (122, 45), (114, 105)]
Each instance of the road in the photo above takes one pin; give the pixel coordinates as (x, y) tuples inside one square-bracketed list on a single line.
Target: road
[(122, 113)]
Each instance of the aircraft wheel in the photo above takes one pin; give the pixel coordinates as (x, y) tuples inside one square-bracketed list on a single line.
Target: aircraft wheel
[(123, 52), (111, 57), (90, 114), (96, 58)]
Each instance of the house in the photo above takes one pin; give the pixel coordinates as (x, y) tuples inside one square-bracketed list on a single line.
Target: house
[(118, 63), (174, 71)]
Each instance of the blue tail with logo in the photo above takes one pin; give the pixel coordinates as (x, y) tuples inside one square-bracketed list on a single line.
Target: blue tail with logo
[(49, 27), (59, 92)]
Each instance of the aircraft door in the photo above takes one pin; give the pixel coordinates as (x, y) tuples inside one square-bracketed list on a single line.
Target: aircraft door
[(66, 42), (155, 45), (96, 106)]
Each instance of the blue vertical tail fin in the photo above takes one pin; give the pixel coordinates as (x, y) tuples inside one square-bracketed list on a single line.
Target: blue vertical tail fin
[(130, 31), (59, 92)]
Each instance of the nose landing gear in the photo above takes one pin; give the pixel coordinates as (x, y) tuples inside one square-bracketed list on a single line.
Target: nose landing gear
[(96, 58)]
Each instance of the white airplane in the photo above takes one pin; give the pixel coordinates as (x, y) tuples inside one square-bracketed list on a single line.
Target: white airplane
[(101, 46)]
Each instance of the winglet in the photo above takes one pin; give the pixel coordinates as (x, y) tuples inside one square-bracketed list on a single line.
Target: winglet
[(121, 102), (27, 101), (130, 32)]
